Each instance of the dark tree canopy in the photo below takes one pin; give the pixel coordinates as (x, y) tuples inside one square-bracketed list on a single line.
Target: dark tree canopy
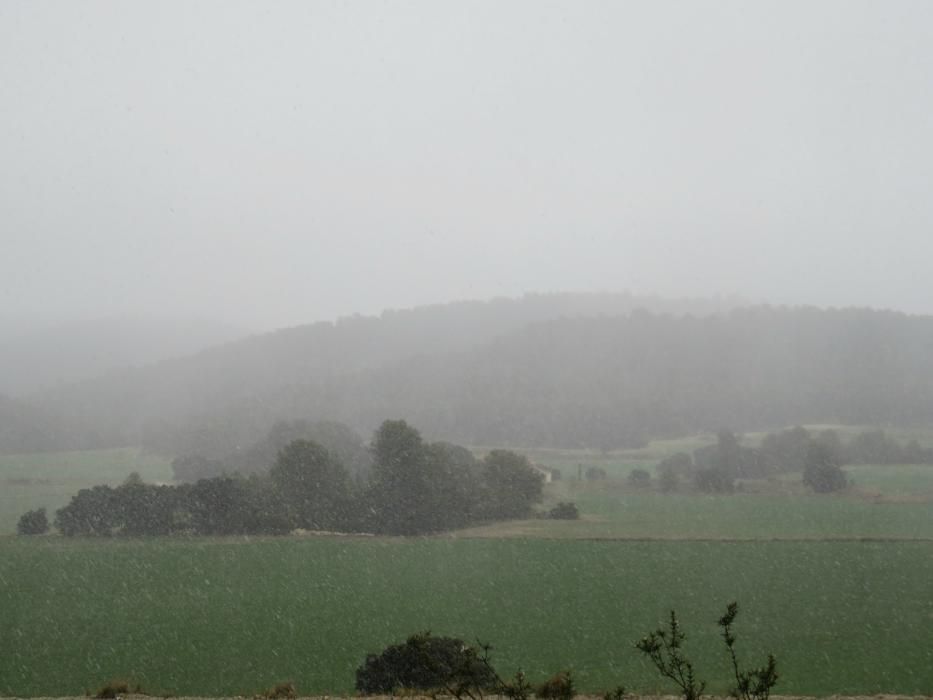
[(822, 472), (422, 487), (313, 485), (91, 512), (400, 489), (425, 663), (512, 485), (33, 522), (414, 488)]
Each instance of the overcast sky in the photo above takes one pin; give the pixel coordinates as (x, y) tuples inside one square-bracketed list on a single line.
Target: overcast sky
[(269, 163)]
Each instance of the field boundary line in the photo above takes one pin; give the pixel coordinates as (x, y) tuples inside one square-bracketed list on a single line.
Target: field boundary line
[(737, 540)]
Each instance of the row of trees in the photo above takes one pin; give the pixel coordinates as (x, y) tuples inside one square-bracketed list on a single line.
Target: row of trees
[(413, 487), (819, 457)]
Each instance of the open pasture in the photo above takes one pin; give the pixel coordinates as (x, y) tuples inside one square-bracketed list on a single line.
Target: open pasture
[(890, 501), (50, 479), (904, 482), (220, 617), (613, 510)]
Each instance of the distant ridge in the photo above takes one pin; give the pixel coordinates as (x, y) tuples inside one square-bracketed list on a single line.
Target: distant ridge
[(564, 370)]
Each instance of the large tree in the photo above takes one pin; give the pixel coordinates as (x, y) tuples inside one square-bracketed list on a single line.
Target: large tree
[(823, 472), (145, 509), (511, 485), (91, 511), (419, 487), (33, 522), (313, 485), (399, 488), (453, 491)]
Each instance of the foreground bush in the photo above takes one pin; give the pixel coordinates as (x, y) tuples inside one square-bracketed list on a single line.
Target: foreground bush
[(279, 691), (558, 687), (427, 663), (664, 647), (116, 688)]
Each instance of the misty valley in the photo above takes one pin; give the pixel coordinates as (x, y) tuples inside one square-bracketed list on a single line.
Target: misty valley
[(548, 476), (466, 350)]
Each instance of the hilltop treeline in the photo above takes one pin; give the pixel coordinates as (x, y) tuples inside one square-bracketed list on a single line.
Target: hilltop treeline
[(414, 487), (583, 381)]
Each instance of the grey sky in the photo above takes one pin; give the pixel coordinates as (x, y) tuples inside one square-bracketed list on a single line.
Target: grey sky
[(273, 163)]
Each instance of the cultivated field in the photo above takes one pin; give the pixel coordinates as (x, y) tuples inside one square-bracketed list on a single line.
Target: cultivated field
[(889, 501), (628, 514), (224, 617), (838, 587), (50, 479)]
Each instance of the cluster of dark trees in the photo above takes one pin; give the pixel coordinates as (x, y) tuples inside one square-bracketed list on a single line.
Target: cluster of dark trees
[(33, 522), (339, 439), (818, 457), (552, 372), (413, 487)]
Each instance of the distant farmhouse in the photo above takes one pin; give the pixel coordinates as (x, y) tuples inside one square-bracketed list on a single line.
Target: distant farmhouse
[(544, 472)]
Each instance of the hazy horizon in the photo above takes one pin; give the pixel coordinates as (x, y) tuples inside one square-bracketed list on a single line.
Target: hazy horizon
[(272, 165)]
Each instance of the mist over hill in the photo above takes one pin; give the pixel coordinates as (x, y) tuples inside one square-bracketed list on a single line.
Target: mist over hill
[(544, 370), (40, 355)]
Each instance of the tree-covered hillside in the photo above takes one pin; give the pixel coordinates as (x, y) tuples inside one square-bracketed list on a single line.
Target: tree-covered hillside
[(223, 391), (598, 380)]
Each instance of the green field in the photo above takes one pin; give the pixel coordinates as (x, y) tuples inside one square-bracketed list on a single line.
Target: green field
[(50, 479), (838, 587), (224, 617), (620, 462), (626, 514), (890, 501), (904, 482)]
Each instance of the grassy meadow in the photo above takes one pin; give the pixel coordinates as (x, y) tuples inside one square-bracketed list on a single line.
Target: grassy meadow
[(221, 617), (50, 479), (611, 511), (838, 587)]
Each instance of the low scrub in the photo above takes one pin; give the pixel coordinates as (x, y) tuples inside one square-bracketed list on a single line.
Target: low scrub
[(116, 688), (664, 647), (558, 687), (285, 690), (429, 664)]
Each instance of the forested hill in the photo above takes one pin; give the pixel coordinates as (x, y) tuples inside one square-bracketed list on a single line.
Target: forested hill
[(616, 382), (595, 380), (233, 392)]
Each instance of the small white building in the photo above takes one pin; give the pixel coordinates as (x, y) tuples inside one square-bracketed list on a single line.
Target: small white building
[(543, 471)]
